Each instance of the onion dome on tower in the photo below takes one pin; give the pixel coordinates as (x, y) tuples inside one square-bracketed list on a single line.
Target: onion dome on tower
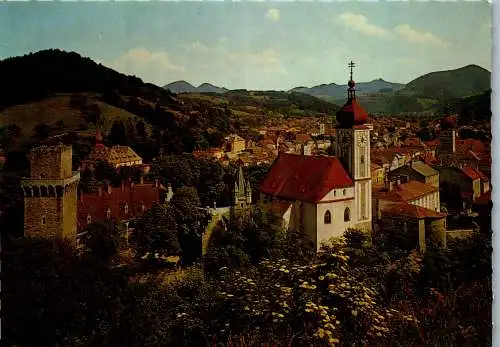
[(449, 122), (351, 113)]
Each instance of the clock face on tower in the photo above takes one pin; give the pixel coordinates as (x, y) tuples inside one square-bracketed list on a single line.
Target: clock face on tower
[(362, 141)]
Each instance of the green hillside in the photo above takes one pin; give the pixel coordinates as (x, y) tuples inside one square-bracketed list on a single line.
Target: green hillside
[(466, 81)]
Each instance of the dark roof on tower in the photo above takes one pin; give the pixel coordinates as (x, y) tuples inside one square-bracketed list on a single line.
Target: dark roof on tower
[(304, 177), (351, 113)]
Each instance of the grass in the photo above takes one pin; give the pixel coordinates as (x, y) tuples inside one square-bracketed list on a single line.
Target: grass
[(56, 108)]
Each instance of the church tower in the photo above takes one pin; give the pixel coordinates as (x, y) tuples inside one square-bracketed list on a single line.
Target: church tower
[(50, 194), (447, 136), (242, 191), (352, 147)]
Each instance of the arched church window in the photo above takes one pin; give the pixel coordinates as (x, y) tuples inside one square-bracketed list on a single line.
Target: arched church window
[(344, 192), (347, 214), (328, 217), (125, 208), (89, 219), (334, 193), (43, 221)]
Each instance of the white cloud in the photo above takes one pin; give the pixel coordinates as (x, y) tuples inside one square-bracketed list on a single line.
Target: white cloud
[(360, 23), (267, 59), (147, 64), (195, 46), (273, 15), (411, 35)]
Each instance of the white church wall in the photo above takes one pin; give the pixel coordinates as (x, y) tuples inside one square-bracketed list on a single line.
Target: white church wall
[(286, 217), (338, 225), (339, 194)]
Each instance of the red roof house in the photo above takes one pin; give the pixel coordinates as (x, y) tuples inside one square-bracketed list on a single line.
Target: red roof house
[(124, 203), (304, 178)]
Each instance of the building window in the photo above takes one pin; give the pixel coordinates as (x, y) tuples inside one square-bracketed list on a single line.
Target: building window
[(328, 217), (108, 213), (347, 214), (362, 159), (334, 193), (344, 192), (126, 208), (89, 219), (43, 221)]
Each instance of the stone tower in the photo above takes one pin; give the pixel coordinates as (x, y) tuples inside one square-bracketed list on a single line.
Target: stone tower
[(352, 147), (447, 136), (242, 191), (50, 194)]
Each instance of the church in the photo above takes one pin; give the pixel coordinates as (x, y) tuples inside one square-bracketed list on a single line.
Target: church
[(323, 196)]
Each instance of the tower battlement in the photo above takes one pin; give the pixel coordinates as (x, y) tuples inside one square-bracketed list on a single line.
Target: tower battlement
[(51, 162), (53, 148)]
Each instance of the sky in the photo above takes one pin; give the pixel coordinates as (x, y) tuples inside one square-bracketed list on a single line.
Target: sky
[(256, 45)]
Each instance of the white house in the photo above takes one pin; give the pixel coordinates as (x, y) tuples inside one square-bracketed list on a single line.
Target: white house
[(323, 196)]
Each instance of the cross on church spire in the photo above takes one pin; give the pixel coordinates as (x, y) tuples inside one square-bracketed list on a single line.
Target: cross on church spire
[(351, 66), (351, 93)]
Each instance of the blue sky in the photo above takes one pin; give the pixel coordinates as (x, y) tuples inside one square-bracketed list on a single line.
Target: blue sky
[(256, 45)]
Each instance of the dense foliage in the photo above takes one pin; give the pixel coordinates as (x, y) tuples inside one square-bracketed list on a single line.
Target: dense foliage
[(354, 292)]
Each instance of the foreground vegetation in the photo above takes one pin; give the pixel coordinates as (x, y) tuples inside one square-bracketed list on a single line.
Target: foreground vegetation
[(260, 286)]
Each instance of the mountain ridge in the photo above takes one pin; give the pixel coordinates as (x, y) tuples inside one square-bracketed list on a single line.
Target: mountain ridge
[(182, 86)]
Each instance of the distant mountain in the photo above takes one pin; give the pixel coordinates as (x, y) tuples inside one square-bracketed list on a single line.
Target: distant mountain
[(335, 91), (465, 81), (210, 88), (180, 87), (185, 87)]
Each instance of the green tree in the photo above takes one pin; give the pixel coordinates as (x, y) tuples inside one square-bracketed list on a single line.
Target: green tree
[(191, 221), (103, 238), (104, 171), (117, 134), (156, 231)]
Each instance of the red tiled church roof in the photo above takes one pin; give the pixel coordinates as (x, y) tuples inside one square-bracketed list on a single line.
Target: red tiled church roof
[(134, 196), (279, 207), (304, 177)]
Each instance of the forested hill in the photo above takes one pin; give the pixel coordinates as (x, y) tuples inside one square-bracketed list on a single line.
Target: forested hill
[(36, 76), (466, 81)]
